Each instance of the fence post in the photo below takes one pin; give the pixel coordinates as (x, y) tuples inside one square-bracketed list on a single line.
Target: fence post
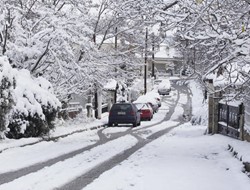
[(211, 90), (216, 99), (215, 114), (241, 122), (89, 106), (210, 113)]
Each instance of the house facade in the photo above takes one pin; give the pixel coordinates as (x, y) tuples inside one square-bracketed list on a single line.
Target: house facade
[(167, 61)]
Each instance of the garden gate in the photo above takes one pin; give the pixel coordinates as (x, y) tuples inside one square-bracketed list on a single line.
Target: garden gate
[(229, 119)]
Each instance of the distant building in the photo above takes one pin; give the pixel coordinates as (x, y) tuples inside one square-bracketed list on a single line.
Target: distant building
[(166, 60)]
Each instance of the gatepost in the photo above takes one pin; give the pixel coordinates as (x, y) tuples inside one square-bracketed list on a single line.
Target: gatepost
[(210, 91), (216, 99), (210, 113), (241, 121)]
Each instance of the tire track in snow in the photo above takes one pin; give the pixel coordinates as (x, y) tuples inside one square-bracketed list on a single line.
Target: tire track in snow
[(72, 167), (10, 176)]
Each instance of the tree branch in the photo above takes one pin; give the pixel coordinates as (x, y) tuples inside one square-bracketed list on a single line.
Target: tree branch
[(40, 58), (61, 6), (170, 5)]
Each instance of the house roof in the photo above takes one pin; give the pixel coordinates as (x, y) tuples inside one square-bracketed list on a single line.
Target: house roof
[(111, 85)]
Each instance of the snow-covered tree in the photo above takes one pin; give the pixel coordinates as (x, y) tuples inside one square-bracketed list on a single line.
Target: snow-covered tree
[(56, 39), (213, 36)]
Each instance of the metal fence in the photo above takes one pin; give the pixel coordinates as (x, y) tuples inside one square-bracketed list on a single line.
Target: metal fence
[(229, 119)]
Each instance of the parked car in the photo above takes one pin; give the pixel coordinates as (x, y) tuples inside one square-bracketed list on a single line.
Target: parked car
[(146, 111), (124, 113), (152, 98), (154, 106), (164, 87)]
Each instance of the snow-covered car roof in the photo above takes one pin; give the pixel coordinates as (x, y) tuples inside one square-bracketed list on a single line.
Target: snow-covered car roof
[(164, 84), (148, 97)]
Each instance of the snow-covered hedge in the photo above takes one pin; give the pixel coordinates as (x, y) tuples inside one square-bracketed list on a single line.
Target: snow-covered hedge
[(34, 104)]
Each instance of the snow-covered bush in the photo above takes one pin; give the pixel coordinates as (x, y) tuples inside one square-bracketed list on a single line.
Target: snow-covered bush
[(7, 84), (34, 105)]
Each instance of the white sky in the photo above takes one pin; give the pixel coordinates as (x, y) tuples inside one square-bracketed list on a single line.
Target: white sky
[(185, 158)]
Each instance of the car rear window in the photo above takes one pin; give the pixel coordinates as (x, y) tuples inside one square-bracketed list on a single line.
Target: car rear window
[(121, 107)]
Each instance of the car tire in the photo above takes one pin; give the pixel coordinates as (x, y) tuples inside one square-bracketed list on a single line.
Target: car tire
[(134, 124), (110, 124)]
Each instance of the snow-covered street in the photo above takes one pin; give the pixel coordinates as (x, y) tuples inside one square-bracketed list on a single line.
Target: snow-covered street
[(124, 95), (182, 158)]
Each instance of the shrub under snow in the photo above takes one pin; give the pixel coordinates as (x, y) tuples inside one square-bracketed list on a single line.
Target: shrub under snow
[(35, 105), (7, 84)]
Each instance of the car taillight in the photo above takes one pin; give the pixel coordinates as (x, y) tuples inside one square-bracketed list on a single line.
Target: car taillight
[(132, 113)]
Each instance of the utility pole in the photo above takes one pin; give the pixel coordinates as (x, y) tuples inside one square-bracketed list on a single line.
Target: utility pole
[(145, 62), (153, 55), (116, 39)]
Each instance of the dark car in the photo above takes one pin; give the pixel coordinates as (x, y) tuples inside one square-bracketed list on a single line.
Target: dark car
[(164, 91), (124, 113), (146, 111)]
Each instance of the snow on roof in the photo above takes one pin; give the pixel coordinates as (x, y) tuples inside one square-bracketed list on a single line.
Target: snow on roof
[(166, 52), (111, 85), (234, 103), (225, 79)]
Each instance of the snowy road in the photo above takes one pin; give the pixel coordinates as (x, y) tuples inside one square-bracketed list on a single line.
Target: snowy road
[(75, 161)]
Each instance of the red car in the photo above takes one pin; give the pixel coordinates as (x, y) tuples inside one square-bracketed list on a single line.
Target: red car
[(146, 111)]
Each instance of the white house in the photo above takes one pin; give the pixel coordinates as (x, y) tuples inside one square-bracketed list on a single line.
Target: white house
[(166, 60)]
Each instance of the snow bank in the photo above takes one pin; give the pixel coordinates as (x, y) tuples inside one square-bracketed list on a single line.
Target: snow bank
[(199, 105)]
